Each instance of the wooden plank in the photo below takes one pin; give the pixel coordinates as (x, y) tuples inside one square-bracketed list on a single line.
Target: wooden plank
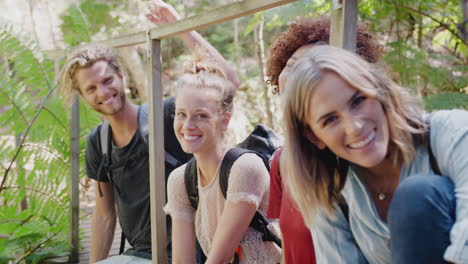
[(74, 181), (199, 21), (156, 152), (343, 24)]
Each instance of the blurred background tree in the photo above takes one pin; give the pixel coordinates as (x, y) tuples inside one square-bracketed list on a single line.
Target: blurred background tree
[(424, 42)]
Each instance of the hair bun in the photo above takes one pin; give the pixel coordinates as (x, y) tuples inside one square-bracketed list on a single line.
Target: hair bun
[(203, 62)]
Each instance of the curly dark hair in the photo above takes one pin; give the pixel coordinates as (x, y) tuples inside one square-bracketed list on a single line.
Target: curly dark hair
[(308, 30)]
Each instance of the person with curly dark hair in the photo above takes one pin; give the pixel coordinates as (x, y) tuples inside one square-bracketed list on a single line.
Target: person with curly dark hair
[(291, 45), (304, 32)]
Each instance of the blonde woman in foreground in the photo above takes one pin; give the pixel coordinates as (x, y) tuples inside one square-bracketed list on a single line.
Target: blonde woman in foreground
[(376, 180)]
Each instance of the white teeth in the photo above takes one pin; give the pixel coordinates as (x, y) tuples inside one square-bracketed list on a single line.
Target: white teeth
[(187, 137), (108, 100), (363, 143)]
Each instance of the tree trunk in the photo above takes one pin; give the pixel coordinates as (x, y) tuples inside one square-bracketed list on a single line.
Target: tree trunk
[(422, 85), (260, 54), (33, 22), (136, 71), (236, 45), (464, 24)]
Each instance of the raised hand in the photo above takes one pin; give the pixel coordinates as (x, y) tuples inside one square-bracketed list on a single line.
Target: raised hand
[(161, 13)]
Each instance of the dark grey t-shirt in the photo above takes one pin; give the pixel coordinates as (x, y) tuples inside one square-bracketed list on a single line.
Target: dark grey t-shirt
[(130, 176)]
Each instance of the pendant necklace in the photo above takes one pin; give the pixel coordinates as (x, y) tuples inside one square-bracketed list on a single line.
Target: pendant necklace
[(382, 196)]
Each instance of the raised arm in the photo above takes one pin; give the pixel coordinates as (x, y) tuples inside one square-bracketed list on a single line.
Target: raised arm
[(163, 13), (103, 225)]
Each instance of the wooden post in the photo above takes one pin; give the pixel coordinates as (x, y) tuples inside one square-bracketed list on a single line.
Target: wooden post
[(75, 180), (343, 24), (156, 152)]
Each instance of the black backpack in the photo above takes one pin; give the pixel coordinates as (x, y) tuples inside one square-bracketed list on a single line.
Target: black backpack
[(171, 162), (263, 141)]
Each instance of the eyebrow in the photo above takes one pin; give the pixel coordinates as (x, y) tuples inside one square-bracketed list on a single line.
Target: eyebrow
[(196, 111), (325, 116), (88, 86), (356, 94)]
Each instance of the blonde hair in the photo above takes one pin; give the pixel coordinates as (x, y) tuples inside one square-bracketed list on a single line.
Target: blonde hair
[(84, 58), (204, 73), (316, 177)]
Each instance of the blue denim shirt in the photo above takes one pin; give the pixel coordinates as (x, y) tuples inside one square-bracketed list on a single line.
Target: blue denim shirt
[(365, 239)]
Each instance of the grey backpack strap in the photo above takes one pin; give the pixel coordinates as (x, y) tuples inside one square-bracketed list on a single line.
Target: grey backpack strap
[(105, 159), (143, 124), (104, 136)]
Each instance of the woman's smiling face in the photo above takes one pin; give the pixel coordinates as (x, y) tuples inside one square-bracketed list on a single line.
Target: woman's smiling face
[(351, 124), (199, 124)]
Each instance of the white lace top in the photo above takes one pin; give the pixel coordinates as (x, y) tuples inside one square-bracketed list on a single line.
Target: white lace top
[(249, 182)]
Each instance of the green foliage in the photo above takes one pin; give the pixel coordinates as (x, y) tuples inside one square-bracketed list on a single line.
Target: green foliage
[(422, 42), (420, 38), (81, 21), (34, 169), (446, 101), (419, 68)]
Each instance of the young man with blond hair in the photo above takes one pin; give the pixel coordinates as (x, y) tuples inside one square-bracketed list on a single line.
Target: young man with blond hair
[(122, 189)]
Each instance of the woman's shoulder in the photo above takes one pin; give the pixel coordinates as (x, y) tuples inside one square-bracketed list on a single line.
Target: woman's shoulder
[(448, 119), (248, 161), (177, 175)]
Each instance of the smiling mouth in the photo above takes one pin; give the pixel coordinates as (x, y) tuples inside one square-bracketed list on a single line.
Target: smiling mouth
[(108, 100), (364, 142), (190, 137)]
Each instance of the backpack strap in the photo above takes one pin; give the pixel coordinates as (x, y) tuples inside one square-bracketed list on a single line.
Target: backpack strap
[(258, 223), (143, 124), (226, 164), (104, 136), (122, 244), (432, 159), (191, 182)]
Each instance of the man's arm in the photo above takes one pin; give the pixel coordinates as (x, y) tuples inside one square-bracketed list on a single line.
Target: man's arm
[(103, 226), (163, 13)]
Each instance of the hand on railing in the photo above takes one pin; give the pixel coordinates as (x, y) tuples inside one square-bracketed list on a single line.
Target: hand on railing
[(161, 12)]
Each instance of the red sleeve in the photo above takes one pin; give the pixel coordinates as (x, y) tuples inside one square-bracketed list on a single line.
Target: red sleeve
[(276, 188)]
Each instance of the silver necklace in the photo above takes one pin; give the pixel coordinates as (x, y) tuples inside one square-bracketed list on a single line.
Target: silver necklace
[(382, 196)]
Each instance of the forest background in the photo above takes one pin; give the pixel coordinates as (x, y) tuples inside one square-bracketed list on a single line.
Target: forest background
[(425, 45)]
